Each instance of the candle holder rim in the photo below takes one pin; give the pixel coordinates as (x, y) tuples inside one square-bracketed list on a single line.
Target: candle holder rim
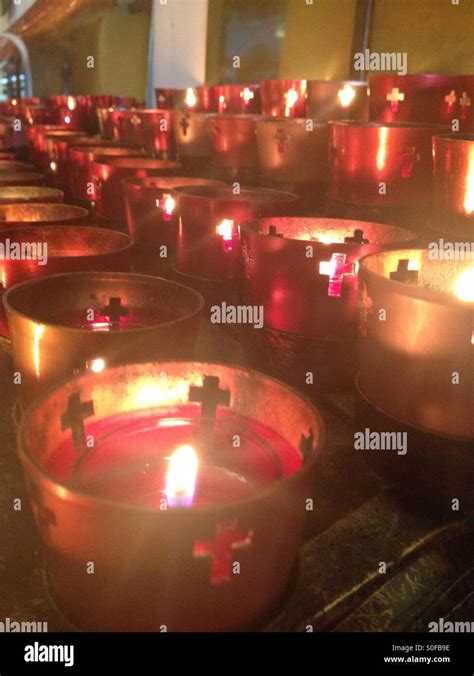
[(200, 302), (46, 188), (377, 124), (253, 225), (251, 117), (412, 290), (87, 498), (278, 119), (285, 195), (463, 138), (14, 175), (129, 162), (77, 212), (142, 182)]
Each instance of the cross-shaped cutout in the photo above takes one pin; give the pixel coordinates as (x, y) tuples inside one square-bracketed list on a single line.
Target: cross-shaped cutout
[(395, 96), (115, 311), (337, 268), (209, 395), (464, 102), (451, 99), (228, 538), (403, 274), (135, 121), (409, 158), (357, 237), (45, 517), (272, 231), (161, 98), (184, 124), (74, 417), (281, 137)]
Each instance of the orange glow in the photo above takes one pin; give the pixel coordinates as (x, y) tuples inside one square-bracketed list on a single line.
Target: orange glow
[(469, 194), (464, 286), (382, 149), (97, 365), (14, 102), (53, 166), (330, 239), (173, 422), (181, 476), (226, 229), (39, 330), (190, 98), (71, 104), (67, 119), (291, 97), (346, 95)]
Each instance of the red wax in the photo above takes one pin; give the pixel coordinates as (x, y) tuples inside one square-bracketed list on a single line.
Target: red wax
[(129, 459)]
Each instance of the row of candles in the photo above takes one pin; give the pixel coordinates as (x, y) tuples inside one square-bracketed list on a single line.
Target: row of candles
[(196, 466)]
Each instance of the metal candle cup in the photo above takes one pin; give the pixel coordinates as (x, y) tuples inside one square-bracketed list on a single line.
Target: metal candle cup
[(108, 174), (148, 129), (36, 137), (249, 502), (303, 271), (81, 161), (108, 122), (193, 135), (37, 213), (453, 184), (234, 146), (64, 248), (366, 157), (293, 154), (115, 317), (413, 98), (19, 194), (152, 216), (337, 100), (424, 339), (239, 99), (208, 243), (283, 98)]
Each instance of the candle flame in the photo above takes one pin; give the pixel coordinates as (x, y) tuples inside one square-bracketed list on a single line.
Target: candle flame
[(71, 104), (346, 95), (169, 204), (464, 286), (291, 98), (247, 95), (469, 194), (97, 365), (181, 476), (53, 166), (190, 98), (226, 229), (14, 102), (67, 119)]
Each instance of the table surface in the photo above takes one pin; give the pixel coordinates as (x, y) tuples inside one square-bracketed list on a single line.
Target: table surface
[(358, 521)]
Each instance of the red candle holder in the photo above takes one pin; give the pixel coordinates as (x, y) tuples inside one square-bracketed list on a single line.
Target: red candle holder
[(19, 178), (39, 250), (302, 272), (208, 244), (108, 174), (293, 155), (193, 138), (148, 129), (83, 157), (97, 319), (283, 98), (203, 99), (152, 218), (240, 99), (338, 100), (37, 213), (243, 497), (379, 164), (19, 194), (107, 119), (425, 339), (414, 98), (234, 147), (453, 184), (465, 103), (36, 138)]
